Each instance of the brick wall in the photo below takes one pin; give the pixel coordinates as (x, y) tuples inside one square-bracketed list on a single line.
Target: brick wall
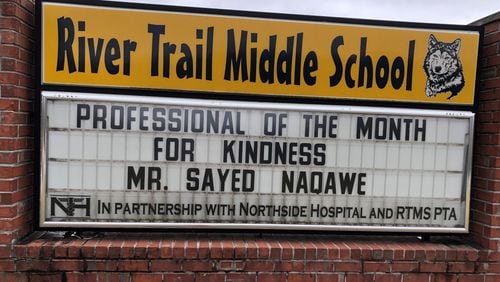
[(485, 205), (230, 257), (16, 117)]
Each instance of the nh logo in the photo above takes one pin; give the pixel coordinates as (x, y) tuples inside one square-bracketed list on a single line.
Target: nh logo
[(68, 204)]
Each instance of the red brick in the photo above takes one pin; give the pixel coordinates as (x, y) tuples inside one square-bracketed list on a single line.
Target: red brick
[(301, 277), (460, 267), (271, 277), (16, 276), (147, 277), (414, 277), (241, 277), (9, 104), (66, 265), (264, 250), (489, 267), (239, 249), (433, 267), (227, 249), (166, 265), (8, 185), (319, 266), (286, 250), (153, 249), (354, 266), (275, 250), (8, 131), (376, 267), (443, 277), (45, 277), (141, 248), (87, 250), (16, 91), (101, 248), (378, 277), (259, 265), (81, 276), (216, 249), (470, 278), (225, 265), (355, 277), (333, 251), (178, 249), (133, 265), (289, 265), (191, 249), (210, 277), (166, 250), (7, 265), (197, 265), (101, 265), (8, 212), (311, 250), (328, 277), (203, 249), (128, 249), (16, 223), (299, 251), (492, 278), (7, 238), (179, 277), (251, 249), (15, 197)]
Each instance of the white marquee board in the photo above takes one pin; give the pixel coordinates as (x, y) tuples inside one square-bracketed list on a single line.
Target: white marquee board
[(124, 161)]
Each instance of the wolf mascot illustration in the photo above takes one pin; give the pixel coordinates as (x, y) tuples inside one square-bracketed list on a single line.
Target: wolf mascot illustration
[(443, 68)]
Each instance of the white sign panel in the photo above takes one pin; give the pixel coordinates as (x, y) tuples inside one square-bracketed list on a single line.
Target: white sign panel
[(124, 161)]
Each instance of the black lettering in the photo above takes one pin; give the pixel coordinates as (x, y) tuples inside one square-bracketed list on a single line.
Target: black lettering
[(155, 30), (267, 59), (112, 54), (365, 63), (236, 62), (382, 72), (192, 178), (363, 128), (185, 64), (117, 122), (159, 119), (285, 60), (65, 38), (99, 116), (310, 66), (409, 72), (82, 113), (137, 179), (337, 75)]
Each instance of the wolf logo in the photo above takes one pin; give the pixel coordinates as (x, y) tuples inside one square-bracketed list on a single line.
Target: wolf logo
[(443, 68)]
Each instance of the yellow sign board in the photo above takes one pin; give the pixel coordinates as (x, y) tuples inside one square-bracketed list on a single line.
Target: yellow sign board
[(162, 50)]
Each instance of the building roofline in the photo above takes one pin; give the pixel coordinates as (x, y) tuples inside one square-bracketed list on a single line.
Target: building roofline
[(486, 20)]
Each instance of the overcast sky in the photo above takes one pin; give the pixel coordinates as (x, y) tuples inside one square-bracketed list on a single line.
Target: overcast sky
[(428, 11)]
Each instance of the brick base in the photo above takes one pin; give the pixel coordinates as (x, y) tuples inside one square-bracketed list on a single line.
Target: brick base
[(216, 257)]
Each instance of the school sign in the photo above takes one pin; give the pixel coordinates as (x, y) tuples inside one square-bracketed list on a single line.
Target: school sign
[(164, 117)]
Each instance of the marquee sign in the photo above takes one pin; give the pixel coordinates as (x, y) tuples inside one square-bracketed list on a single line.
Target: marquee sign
[(124, 143), (159, 162)]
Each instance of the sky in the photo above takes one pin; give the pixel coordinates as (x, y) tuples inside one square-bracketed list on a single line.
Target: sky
[(426, 11)]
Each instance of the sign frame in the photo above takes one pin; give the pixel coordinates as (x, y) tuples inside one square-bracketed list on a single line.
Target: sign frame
[(49, 95), (136, 93)]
